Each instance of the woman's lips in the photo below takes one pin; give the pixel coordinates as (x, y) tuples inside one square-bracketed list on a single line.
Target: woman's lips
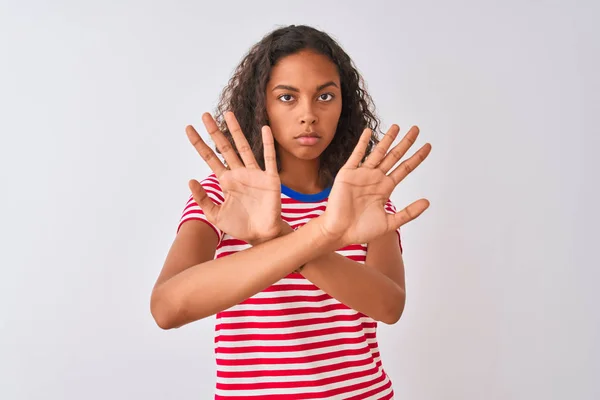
[(308, 140)]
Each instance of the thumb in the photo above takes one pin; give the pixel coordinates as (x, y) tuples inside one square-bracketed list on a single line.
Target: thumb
[(209, 208), (407, 214)]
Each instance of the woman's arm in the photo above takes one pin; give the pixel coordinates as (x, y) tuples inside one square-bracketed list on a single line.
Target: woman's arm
[(216, 285), (375, 288), (355, 211)]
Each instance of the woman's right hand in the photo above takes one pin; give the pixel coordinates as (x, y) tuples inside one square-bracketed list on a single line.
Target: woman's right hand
[(251, 210)]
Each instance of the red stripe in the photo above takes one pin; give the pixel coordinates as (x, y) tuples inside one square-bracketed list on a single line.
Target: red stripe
[(295, 384), (293, 372), (291, 286), (286, 299), (234, 242), (288, 336), (290, 348), (289, 200), (294, 219), (355, 247), (293, 360), (282, 312), (300, 210), (287, 324)]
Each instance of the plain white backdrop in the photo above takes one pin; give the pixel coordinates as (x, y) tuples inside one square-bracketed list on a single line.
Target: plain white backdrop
[(502, 270)]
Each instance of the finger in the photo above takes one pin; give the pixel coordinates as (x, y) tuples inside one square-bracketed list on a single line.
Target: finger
[(407, 214), (399, 150), (269, 150), (209, 208), (359, 150), (207, 154), (240, 141), (382, 147), (221, 142), (407, 166)]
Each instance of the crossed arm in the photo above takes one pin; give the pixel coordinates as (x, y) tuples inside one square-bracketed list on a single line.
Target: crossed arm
[(355, 214), (375, 288), (206, 288)]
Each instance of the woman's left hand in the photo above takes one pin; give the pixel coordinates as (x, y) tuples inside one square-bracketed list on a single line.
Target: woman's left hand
[(355, 211)]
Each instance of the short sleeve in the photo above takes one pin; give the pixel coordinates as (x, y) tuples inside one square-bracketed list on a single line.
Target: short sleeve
[(391, 209), (192, 210)]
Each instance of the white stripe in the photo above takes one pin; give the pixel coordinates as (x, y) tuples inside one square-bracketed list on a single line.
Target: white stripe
[(315, 364), (297, 214), (196, 216), (283, 306), (295, 378), (299, 281), (287, 318), (295, 217), (300, 206), (232, 248), (301, 221), (294, 329), (289, 342), (286, 293), (355, 253), (213, 195)]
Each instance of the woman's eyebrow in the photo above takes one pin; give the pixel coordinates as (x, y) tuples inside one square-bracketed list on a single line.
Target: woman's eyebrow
[(293, 89)]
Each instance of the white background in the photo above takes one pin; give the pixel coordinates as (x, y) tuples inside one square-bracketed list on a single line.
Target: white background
[(501, 272)]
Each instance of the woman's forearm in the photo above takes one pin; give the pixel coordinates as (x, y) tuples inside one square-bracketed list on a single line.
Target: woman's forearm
[(360, 287), (208, 288)]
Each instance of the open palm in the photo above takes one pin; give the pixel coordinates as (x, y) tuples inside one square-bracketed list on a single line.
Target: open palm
[(251, 210), (356, 206)]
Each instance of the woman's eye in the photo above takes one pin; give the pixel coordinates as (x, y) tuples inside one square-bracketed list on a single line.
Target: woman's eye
[(286, 98), (324, 97)]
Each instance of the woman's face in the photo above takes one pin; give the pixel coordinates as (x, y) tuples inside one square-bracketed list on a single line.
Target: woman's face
[(304, 103)]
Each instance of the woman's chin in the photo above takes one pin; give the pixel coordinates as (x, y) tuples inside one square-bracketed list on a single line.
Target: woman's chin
[(304, 153), (307, 154)]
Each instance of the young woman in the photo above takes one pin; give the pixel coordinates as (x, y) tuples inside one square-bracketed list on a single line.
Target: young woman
[(293, 243)]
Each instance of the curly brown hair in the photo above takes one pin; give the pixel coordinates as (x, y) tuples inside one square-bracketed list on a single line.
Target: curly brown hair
[(245, 95)]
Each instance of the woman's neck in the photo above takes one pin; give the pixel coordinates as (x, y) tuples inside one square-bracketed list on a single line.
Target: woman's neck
[(300, 175)]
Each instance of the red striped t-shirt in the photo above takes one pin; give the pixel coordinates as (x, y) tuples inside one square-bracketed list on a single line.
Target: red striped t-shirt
[(293, 340)]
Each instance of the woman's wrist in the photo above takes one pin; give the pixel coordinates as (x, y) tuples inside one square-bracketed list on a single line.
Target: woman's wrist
[(284, 229)]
